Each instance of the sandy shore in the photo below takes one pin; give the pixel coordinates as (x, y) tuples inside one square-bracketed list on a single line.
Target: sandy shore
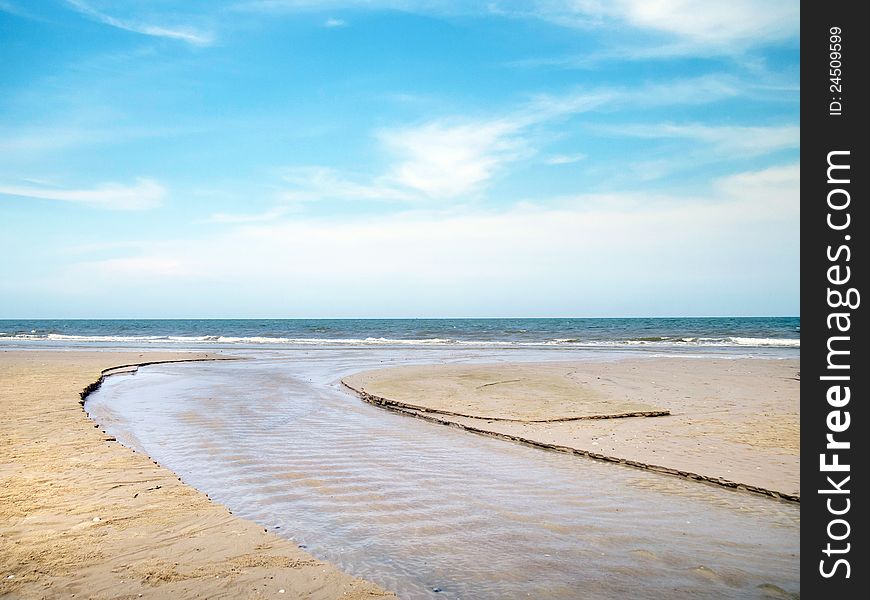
[(731, 422), (82, 516)]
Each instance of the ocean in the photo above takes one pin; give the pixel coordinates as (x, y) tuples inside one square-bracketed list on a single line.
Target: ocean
[(721, 332)]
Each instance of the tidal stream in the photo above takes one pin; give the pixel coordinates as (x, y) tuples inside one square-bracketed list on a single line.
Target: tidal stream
[(435, 512)]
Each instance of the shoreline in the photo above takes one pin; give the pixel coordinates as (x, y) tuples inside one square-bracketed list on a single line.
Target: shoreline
[(82, 514), (542, 433)]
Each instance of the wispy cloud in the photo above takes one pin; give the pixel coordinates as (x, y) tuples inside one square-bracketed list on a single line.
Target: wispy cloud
[(262, 217), (14, 9), (682, 26), (186, 34), (323, 183), (454, 157), (444, 160), (777, 188), (445, 7), (434, 160), (667, 28), (685, 91), (21, 140), (147, 266), (725, 23), (144, 194), (16, 142), (735, 140), (691, 26), (524, 250), (688, 26), (698, 21), (564, 159), (330, 23)]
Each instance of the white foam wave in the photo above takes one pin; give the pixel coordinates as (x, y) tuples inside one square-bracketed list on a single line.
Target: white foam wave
[(743, 341), (383, 341)]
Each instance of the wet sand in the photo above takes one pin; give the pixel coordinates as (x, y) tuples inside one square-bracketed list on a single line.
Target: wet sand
[(83, 516), (734, 422)]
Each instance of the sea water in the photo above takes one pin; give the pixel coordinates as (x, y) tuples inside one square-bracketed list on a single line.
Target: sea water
[(668, 333)]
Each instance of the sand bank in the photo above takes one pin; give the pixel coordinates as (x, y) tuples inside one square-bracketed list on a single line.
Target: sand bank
[(83, 516), (734, 422)]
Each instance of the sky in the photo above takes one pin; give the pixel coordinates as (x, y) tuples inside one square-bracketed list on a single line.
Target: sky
[(390, 158)]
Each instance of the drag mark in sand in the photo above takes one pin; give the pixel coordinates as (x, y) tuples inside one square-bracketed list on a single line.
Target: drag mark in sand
[(386, 402), (436, 389)]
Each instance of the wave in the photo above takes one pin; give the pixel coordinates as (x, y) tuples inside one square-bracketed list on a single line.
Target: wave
[(743, 341), (662, 341)]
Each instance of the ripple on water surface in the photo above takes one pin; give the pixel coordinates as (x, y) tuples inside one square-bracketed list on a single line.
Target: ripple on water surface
[(419, 507)]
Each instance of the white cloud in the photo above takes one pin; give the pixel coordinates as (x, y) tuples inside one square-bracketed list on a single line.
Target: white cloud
[(144, 194), (688, 91), (550, 106), (714, 23), (736, 140), (12, 9), (323, 183), (433, 160), (334, 23), (147, 266), (446, 160), (629, 253), (269, 215), (36, 140), (186, 34), (444, 7), (774, 190), (564, 159), (89, 130), (692, 25)]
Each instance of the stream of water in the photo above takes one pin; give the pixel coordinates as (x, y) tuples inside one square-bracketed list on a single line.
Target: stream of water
[(434, 512)]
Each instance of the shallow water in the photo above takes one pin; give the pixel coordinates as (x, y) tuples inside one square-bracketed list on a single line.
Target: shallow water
[(419, 507)]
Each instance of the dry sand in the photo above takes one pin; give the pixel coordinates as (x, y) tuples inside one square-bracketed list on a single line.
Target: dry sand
[(82, 516), (735, 422)]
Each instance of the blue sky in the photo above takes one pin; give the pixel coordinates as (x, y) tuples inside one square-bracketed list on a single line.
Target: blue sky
[(272, 158)]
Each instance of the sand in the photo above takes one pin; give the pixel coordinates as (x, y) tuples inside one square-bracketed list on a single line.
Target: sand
[(527, 393), (733, 422), (82, 516)]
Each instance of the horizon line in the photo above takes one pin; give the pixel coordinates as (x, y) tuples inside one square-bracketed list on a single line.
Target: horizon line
[(776, 316)]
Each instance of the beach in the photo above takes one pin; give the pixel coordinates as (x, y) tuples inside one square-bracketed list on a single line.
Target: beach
[(83, 516), (733, 422), (416, 507), (221, 462)]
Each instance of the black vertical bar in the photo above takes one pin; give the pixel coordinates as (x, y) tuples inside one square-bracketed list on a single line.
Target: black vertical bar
[(834, 224)]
